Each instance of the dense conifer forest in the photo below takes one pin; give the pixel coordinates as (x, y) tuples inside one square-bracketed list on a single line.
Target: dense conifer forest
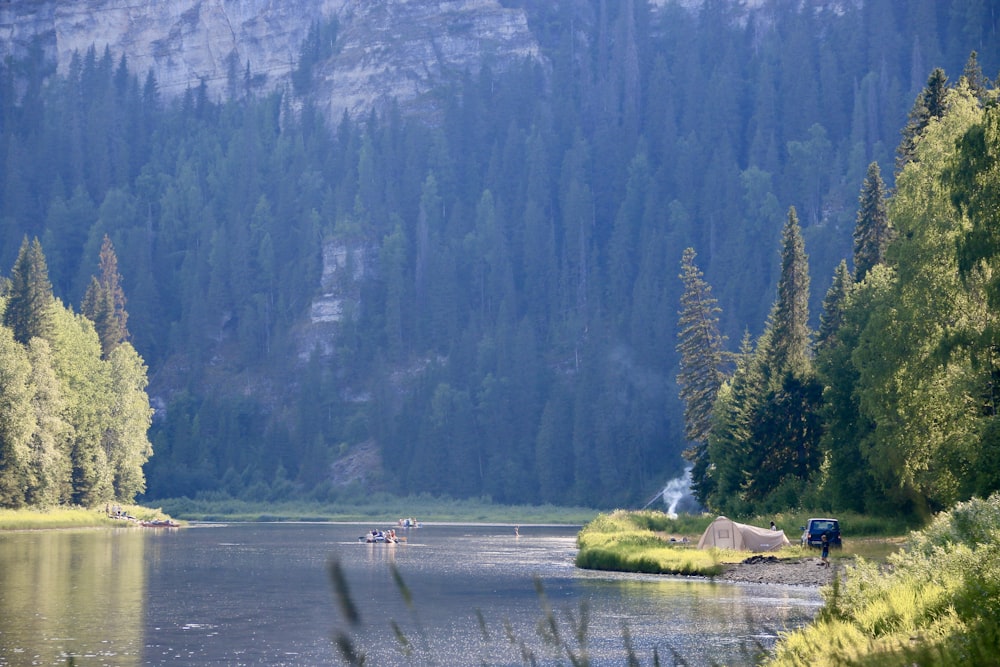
[(518, 262)]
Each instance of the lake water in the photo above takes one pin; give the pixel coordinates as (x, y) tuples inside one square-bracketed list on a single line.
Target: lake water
[(262, 594)]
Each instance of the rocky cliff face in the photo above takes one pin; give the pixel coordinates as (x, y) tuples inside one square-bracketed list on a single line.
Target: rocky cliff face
[(388, 48), (402, 48)]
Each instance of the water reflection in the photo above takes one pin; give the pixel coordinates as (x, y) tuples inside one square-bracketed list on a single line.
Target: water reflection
[(72, 593), (260, 594)]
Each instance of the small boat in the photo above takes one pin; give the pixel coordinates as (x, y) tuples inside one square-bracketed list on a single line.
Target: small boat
[(408, 523), (381, 537), (160, 523)]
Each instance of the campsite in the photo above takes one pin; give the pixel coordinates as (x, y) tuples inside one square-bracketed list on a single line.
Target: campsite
[(725, 533), (650, 542)]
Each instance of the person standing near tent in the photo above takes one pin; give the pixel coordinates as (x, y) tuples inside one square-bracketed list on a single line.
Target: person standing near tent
[(773, 527), (825, 556)]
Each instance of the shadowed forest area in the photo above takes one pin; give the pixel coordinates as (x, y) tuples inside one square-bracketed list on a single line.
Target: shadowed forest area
[(509, 273)]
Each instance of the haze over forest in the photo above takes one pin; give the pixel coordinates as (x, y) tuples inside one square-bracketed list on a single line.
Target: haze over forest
[(476, 293)]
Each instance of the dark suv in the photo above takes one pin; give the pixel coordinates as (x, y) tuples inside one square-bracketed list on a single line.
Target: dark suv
[(815, 529)]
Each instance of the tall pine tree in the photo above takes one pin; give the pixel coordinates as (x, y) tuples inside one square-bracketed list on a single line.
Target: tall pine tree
[(872, 231), (930, 103), (104, 303), (789, 349), (29, 308), (701, 363)]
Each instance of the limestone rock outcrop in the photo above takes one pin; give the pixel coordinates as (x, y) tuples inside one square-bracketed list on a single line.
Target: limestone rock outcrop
[(387, 49)]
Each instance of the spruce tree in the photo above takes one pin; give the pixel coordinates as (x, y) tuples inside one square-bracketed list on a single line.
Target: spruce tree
[(929, 104), (729, 440), (789, 349), (973, 75), (833, 306), (872, 231), (29, 308), (104, 303), (701, 361)]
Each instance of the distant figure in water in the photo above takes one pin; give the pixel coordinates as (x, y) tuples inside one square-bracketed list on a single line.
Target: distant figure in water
[(517, 531)]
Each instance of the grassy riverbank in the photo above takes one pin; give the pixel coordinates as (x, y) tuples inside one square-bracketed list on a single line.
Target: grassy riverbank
[(932, 598), (937, 602), (73, 517), (377, 508), (654, 543)]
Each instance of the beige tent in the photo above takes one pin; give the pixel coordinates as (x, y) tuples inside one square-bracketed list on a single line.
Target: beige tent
[(727, 534)]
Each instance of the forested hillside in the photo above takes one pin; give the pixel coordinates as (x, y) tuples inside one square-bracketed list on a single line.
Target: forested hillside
[(508, 308)]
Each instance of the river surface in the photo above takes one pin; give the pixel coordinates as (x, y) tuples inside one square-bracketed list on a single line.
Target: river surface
[(263, 594)]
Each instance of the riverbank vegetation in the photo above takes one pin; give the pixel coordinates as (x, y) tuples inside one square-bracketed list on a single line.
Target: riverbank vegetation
[(376, 507), (936, 603), (74, 412), (656, 543), (641, 542), (75, 517), (890, 407)]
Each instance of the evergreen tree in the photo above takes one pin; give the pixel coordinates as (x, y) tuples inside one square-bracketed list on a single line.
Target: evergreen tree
[(833, 306), (789, 349), (29, 308), (872, 231), (104, 302), (930, 103), (701, 360), (974, 79), (555, 473), (784, 444), (730, 436), (846, 310)]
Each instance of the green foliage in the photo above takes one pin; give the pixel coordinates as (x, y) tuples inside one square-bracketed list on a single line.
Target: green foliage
[(905, 354), (68, 516), (502, 265), (702, 357), (764, 444), (29, 306), (357, 504), (104, 302), (649, 542), (872, 232), (935, 604), (74, 424), (17, 420)]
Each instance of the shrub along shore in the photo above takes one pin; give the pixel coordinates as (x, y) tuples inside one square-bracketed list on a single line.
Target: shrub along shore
[(935, 601), (76, 517), (377, 507)]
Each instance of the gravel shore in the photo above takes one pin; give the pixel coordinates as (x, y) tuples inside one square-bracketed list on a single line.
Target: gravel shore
[(771, 570)]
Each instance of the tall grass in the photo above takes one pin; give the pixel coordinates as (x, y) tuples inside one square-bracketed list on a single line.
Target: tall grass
[(651, 542), (70, 517), (935, 602), (561, 638)]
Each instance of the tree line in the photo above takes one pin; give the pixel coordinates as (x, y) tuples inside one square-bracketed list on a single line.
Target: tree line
[(512, 331), (74, 413), (890, 406)]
